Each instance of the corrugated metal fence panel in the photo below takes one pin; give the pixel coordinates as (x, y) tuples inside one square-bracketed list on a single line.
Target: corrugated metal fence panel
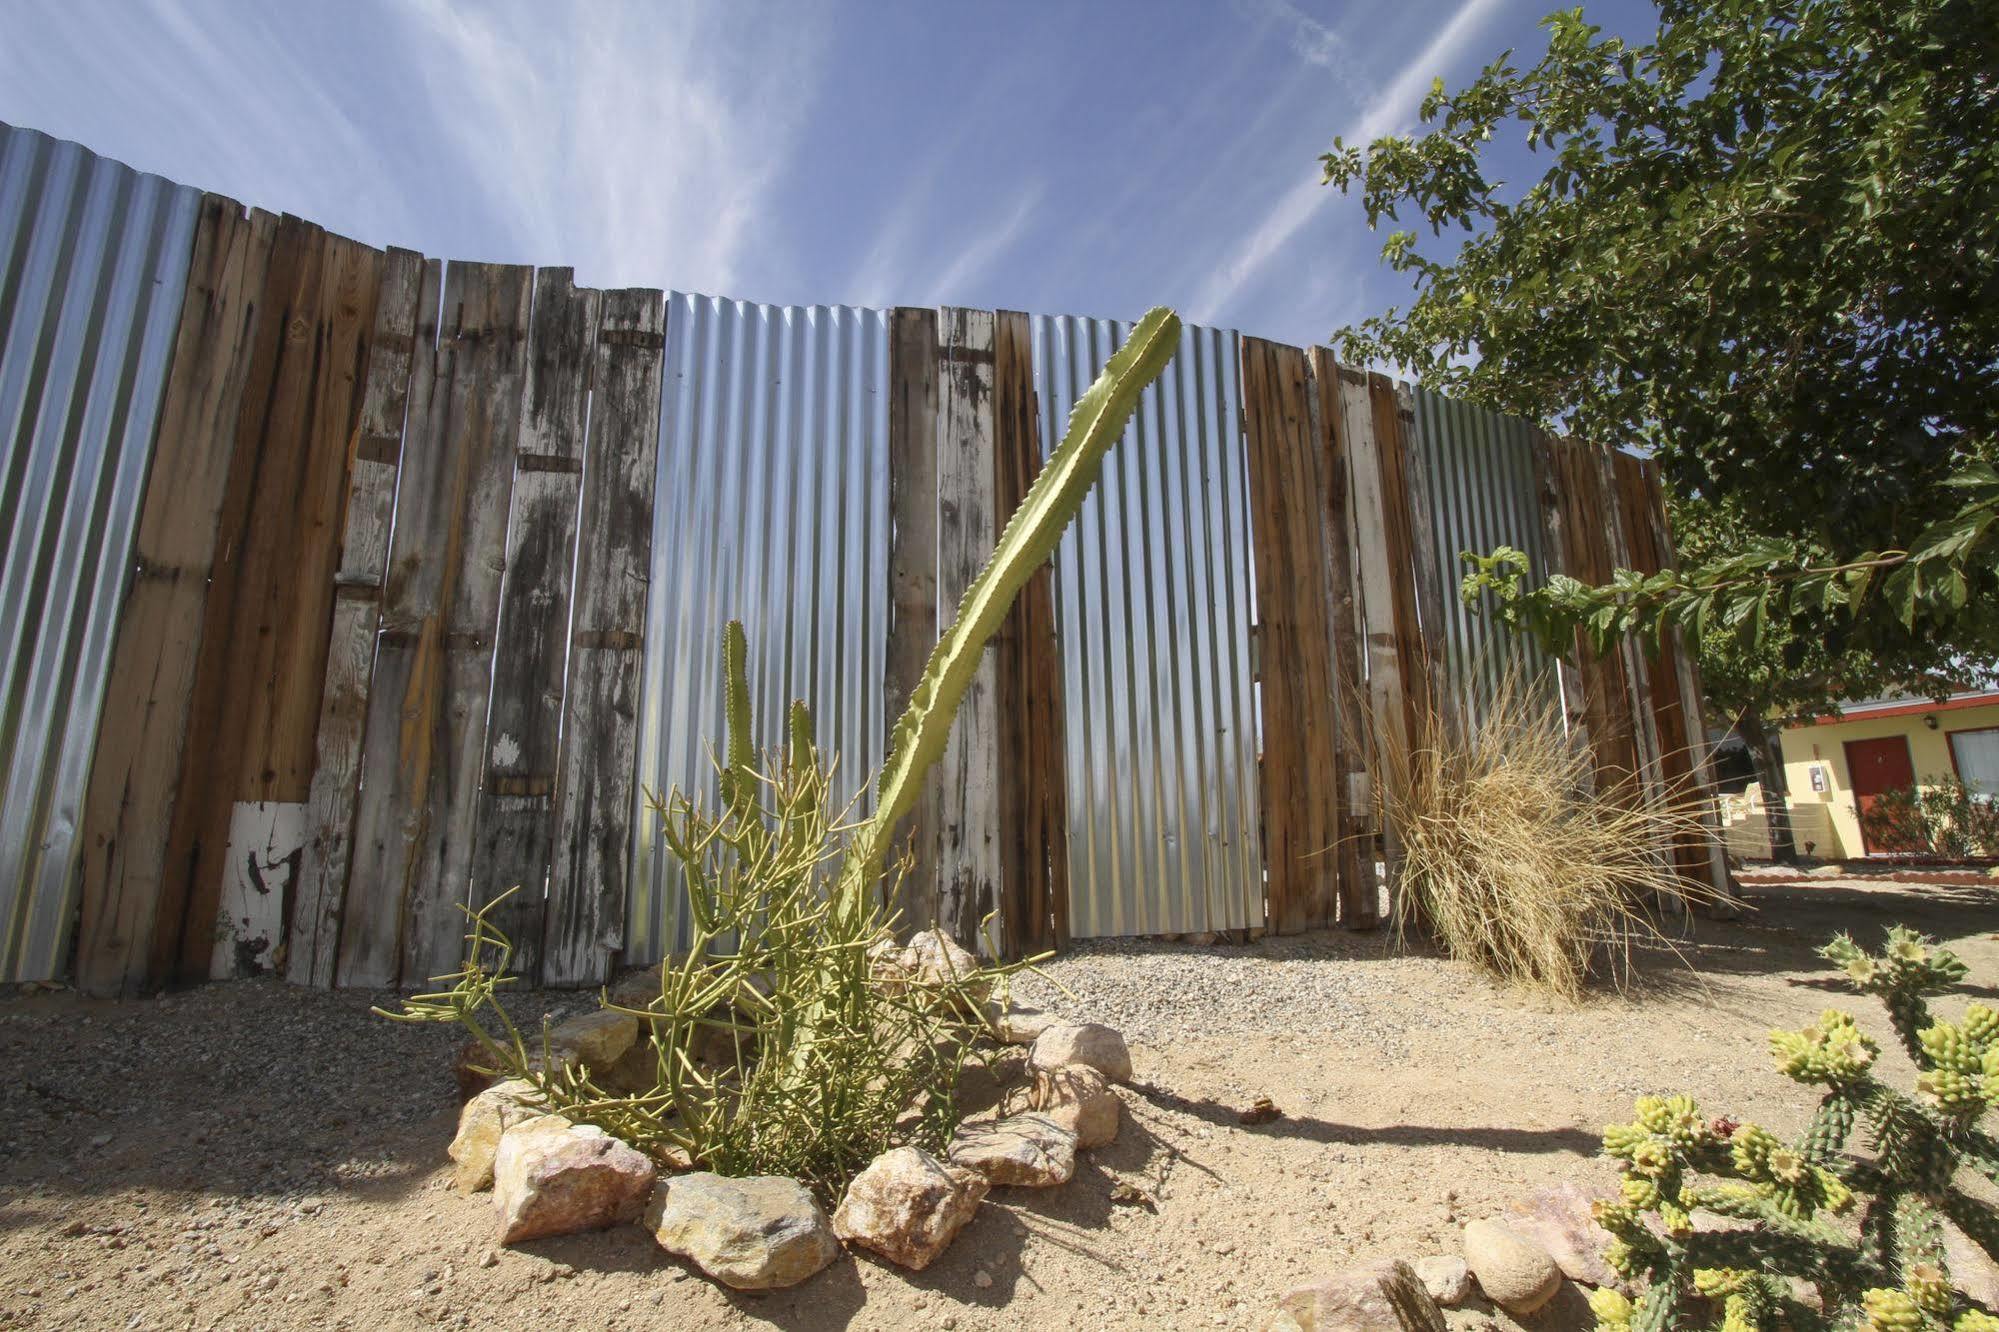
[(1482, 496), (93, 262), (772, 509), (1154, 607)]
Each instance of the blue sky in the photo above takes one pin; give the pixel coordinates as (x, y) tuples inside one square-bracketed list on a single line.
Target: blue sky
[(1074, 158)]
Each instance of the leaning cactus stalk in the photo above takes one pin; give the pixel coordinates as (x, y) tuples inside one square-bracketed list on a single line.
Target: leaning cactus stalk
[(789, 1039), (1864, 1231)]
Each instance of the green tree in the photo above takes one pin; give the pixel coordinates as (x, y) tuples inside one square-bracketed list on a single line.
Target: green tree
[(1764, 247)]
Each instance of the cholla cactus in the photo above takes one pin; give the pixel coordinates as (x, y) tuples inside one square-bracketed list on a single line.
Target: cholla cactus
[(1865, 1232)]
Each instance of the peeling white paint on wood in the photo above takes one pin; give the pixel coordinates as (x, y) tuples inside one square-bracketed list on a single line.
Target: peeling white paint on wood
[(259, 872)]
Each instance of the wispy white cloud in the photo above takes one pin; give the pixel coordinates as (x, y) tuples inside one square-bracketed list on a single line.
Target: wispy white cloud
[(230, 106), (643, 151), (1390, 110), (1311, 41), (977, 254), (904, 263)]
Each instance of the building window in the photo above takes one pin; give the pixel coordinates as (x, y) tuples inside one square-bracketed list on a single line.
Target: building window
[(1976, 754)]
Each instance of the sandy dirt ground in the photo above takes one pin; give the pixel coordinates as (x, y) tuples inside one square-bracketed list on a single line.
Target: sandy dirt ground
[(252, 1156)]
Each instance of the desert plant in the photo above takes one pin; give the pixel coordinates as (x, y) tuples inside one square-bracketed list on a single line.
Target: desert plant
[(1942, 817), (1781, 1205), (1514, 858), (725, 1033), (831, 1050)]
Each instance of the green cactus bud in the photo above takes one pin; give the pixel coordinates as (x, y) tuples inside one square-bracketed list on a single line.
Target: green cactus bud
[(1716, 1281), (1891, 1311), (1832, 1051), (1652, 1157), (1834, 1196), (1621, 1258), (1653, 1114), (1786, 1166), (1677, 1220), (1975, 1320), (1930, 1288), (1739, 1314), (1951, 1092), (1750, 1150), (1981, 1026), (1612, 1309), (1618, 1218), (1640, 1192), (1620, 1139), (1948, 1047)]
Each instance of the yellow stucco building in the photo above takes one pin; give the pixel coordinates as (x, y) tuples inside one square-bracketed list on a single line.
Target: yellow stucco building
[(1837, 765)]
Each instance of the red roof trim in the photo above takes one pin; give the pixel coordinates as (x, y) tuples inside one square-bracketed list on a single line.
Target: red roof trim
[(1912, 709)]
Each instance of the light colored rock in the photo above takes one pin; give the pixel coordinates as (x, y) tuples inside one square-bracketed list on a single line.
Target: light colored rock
[(1559, 1220), (752, 1234), (1080, 1099), (1378, 1297), (637, 1069), (638, 989), (482, 1121), (552, 1177), (1088, 1043), (1019, 1025), (1447, 1278), (1030, 1151), (595, 1040), (1515, 1273), (935, 958), (907, 1206)]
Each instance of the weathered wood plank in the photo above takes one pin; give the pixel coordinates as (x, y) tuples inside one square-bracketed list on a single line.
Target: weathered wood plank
[(1033, 793), (147, 699), (912, 577), (1429, 577), (268, 613), (409, 287), (1681, 740), (300, 519), (1398, 532), (1613, 521), (1301, 806), (597, 774), (1378, 573), (1360, 906), (1384, 592), (1607, 691), (516, 800), (485, 420), (967, 847), (1707, 861), (426, 703)]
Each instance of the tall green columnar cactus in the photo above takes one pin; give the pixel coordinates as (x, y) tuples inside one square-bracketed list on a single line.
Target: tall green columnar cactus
[(1864, 1228), (1027, 543)]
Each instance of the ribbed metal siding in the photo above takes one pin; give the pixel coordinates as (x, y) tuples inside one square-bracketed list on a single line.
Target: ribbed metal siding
[(1154, 605), (1482, 496), (772, 509), (93, 262)]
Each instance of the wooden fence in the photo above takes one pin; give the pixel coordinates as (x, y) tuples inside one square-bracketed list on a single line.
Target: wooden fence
[(382, 643)]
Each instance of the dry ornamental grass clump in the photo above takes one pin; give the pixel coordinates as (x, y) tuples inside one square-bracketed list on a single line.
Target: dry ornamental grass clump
[(1514, 858)]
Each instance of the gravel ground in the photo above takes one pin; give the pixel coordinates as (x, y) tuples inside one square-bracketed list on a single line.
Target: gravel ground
[(252, 1156)]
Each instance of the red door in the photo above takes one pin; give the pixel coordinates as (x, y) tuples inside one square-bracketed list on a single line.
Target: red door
[(1874, 767)]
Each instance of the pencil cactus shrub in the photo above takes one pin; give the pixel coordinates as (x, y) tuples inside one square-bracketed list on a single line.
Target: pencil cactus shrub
[(1721, 1223), (785, 1040)]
